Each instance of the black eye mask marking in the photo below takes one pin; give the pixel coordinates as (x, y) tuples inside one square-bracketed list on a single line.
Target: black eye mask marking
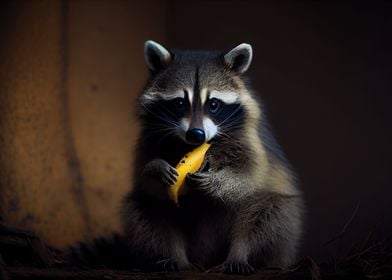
[(177, 106), (167, 110), (227, 117)]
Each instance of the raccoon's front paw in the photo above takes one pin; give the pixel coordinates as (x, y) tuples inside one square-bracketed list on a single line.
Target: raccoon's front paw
[(162, 171), (170, 265), (198, 179)]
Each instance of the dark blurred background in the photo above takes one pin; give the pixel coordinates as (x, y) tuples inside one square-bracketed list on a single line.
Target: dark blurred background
[(70, 70)]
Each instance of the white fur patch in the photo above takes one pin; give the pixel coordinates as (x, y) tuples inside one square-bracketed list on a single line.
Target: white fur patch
[(190, 95), (210, 128), (157, 95), (203, 96), (228, 97), (183, 127), (172, 95)]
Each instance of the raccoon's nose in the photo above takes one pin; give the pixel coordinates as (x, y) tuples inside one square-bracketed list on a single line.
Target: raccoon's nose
[(195, 136)]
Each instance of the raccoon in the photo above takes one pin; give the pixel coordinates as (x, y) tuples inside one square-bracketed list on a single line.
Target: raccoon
[(243, 209)]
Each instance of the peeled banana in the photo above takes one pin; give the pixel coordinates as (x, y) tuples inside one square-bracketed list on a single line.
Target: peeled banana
[(190, 163)]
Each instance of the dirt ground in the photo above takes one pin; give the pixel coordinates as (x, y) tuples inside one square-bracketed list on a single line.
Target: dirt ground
[(24, 256)]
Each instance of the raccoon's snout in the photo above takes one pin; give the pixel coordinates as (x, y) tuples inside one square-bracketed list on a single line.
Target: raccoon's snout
[(195, 136)]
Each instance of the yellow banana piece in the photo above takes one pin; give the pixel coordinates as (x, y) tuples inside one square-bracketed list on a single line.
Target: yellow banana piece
[(190, 163)]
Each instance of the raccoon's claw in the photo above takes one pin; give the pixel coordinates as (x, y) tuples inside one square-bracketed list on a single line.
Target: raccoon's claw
[(242, 268), (161, 170)]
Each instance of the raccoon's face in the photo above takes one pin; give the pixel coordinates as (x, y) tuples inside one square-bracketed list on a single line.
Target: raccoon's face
[(196, 96)]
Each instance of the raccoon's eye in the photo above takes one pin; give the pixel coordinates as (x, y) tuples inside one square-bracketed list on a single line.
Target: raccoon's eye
[(179, 104), (215, 104)]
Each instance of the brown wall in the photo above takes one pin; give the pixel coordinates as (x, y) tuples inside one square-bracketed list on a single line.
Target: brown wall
[(69, 71)]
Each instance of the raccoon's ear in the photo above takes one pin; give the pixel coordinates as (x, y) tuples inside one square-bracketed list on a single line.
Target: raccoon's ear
[(156, 56), (239, 58)]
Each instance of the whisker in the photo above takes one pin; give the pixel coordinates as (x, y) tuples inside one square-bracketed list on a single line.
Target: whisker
[(234, 124), (158, 116), (168, 111), (164, 136), (226, 119), (158, 131)]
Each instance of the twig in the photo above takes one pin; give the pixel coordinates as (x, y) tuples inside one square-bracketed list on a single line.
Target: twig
[(314, 270), (343, 231)]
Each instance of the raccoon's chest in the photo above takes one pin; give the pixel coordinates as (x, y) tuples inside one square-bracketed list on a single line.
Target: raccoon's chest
[(206, 228)]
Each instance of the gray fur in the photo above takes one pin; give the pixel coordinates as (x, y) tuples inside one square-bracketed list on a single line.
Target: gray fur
[(243, 211)]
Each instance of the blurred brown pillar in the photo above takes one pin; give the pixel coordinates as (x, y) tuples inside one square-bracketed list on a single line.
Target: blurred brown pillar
[(106, 71), (69, 71), (37, 179)]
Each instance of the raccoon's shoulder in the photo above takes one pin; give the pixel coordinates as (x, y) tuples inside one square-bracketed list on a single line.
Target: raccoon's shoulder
[(282, 176), (270, 143)]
